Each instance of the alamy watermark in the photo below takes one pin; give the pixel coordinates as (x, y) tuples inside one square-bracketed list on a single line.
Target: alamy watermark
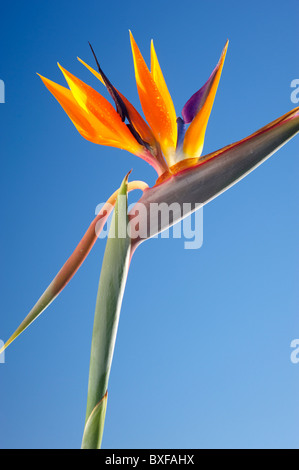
[(2, 355), (155, 220), (295, 92), (2, 92), (295, 353)]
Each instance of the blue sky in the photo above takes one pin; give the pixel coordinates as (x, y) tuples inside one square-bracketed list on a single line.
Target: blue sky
[(202, 358)]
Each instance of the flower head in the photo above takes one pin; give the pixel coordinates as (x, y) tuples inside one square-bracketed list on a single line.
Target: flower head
[(165, 139)]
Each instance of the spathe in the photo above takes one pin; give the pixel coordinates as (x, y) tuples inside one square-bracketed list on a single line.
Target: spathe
[(214, 174)]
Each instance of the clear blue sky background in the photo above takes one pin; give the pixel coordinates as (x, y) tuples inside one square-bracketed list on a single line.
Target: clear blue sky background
[(202, 358)]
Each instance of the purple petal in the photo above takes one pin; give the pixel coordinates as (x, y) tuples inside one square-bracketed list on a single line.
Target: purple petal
[(119, 104), (181, 133), (197, 100)]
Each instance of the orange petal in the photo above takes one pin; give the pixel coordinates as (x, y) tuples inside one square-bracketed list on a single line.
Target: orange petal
[(111, 125), (195, 134), (162, 87), (79, 117), (138, 122), (153, 104)]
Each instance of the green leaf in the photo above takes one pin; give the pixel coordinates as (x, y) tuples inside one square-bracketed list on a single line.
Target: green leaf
[(94, 426), (110, 293), (65, 274)]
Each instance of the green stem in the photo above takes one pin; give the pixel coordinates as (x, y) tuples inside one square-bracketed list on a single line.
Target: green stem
[(109, 298)]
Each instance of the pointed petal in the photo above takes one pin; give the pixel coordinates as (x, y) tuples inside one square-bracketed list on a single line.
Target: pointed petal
[(161, 85), (120, 107), (151, 152), (195, 103), (137, 121), (85, 126), (110, 125), (203, 103), (181, 134), (215, 173), (153, 104), (92, 70), (73, 263)]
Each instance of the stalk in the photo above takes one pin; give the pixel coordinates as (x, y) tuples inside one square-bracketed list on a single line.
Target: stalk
[(108, 304)]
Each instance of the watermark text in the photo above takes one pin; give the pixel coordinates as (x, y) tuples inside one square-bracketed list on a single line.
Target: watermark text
[(295, 92), (2, 355), (154, 220), (295, 353), (2, 92)]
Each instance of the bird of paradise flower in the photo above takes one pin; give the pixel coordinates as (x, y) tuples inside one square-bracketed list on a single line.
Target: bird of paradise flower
[(172, 146)]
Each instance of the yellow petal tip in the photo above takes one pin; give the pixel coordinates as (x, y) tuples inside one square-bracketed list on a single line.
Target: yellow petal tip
[(225, 48)]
